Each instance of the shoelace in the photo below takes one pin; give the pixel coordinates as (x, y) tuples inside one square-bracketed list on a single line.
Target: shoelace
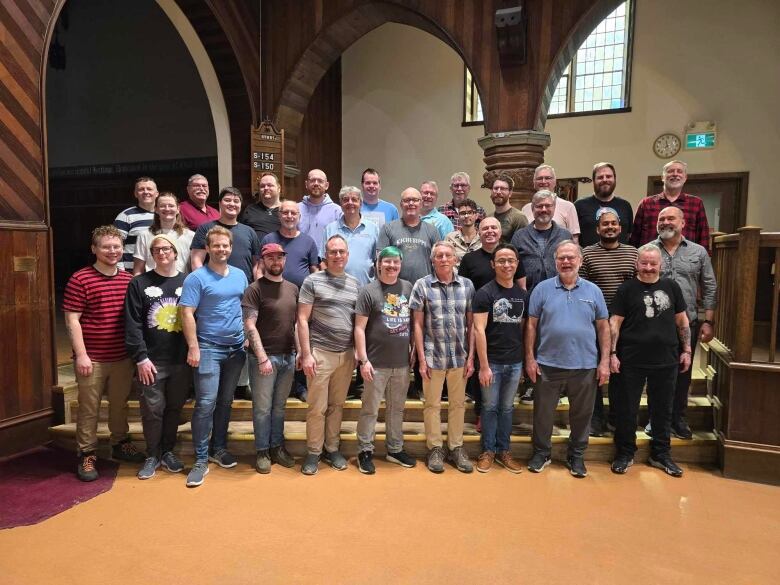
[(128, 448), (88, 463)]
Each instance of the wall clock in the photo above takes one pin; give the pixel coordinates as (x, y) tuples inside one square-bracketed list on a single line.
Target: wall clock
[(666, 145)]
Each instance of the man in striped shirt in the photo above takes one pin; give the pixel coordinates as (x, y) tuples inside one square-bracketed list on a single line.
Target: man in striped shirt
[(607, 264), (135, 220), (94, 317)]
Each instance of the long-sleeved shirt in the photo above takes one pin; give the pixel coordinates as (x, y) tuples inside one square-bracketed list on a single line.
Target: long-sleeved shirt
[(646, 219), (690, 267)]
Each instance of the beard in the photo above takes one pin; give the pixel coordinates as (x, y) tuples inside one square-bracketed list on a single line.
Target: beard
[(274, 270), (604, 191), (667, 234), (610, 239)]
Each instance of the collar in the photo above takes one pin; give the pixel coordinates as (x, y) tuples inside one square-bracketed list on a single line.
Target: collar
[(559, 284), (455, 279), (343, 224)]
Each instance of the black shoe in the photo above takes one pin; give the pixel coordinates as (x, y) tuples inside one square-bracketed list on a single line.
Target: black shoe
[(666, 465), (401, 458), (223, 458), (680, 429), (576, 467), (621, 465), (282, 457), (86, 469), (127, 451), (538, 462), (596, 428), (365, 463)]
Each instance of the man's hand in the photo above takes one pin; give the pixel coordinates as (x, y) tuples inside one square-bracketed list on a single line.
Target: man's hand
[(603, 372), (614, 364), (193, 356), (309, 365), (707, 332), (83, 365), (367, 371), (469, 369), (685, 361), (146, 372), (266, 368), (485, 377), (532, 369), (425, 372)]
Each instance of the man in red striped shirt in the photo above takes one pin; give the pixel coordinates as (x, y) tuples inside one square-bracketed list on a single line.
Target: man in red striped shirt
[(94, 317)]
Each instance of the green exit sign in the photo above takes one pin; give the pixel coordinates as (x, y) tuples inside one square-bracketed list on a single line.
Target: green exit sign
[(700, 140)]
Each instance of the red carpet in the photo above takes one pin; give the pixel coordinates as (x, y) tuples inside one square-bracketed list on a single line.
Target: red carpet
[(42, 483)]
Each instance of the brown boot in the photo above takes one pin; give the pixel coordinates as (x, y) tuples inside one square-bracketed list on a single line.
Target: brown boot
[(505, 460), (485, 461)]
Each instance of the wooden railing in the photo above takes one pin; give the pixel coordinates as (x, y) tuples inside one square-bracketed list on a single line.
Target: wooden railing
[(746, 267)]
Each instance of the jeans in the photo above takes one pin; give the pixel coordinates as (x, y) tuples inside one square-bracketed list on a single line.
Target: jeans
[(161, 405), (269, 398), (215, 383), (497, 404)]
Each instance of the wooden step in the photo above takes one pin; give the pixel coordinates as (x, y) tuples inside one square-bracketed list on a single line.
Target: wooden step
[(701, 449)]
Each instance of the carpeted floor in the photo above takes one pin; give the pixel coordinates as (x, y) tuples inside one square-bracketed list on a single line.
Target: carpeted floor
[(40, 483)]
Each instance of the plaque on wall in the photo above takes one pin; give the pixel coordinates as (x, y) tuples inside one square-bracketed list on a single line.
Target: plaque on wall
[(267, 154)]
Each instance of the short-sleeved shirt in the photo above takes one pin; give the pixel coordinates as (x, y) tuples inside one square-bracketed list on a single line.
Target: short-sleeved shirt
[(565, 215), (183, 243), (586, 214), (511, 220), (194, 216), (462, 247), (476, 267), (380, 213), (505, 308), (415, 243), (246, 246), (608, 268), (389, 322), (566, 329), (301, 254), (444, 306), (100, 299), (217, 303), (648, 334), (277, 305), (440, 221), (260, 218), (696, 227), (132, 222), (333, 300), (362, 247)]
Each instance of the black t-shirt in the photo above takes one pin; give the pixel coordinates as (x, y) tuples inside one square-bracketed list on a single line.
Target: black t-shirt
[(586, 214), (260, 218), (476, 267), (506, 309), (648, 335)]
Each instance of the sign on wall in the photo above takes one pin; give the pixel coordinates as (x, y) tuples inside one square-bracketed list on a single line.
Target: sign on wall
[(267, 154)]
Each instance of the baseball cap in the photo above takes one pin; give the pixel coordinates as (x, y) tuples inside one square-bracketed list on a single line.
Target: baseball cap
[(272, 249)]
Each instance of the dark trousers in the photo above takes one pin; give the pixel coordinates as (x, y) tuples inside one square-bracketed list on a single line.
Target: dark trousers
[(613, 389), (161, 405), (683, 385), (474, 390), (660, 390), (579, 386)]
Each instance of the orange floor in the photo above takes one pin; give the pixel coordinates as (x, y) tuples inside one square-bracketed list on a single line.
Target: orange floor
[(408, 526)]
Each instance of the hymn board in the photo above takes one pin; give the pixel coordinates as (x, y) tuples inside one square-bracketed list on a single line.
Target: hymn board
[(267, 153)]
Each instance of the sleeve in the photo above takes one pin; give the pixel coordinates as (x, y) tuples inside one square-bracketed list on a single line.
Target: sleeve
[(535, 303), (74, 298), (255, 246), (267, 239), (251, 298), (433, 234), (572, 221), (445, 226), (470, 292), (482, 303), (383, 241), (619, 300), (306, 295), (122, 223), (314, 253), (585, 266), (417, 300), (702, 227), (191, 291), (629, 218), (520, 272), (394, 212), (707, 282), (636, 231), (601, 305), (464, 269), (679, 300), (363, 305), (326, 233), (199, 239), (142, 246), (134, 319)]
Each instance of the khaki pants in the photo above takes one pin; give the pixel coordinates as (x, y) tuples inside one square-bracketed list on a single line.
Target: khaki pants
[(115, 379), (327, 391), (456, 390)]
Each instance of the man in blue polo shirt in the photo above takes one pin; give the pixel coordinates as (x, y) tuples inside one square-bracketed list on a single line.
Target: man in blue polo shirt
[(561, 314)]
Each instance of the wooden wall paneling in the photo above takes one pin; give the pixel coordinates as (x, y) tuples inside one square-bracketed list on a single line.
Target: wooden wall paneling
[(755, 405)]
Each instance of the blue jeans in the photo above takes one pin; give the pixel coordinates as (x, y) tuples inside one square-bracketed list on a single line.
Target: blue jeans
[(215, 383), (497, 404), (269, 398)]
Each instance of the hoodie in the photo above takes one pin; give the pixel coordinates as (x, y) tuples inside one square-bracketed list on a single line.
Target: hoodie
[(315, 216)]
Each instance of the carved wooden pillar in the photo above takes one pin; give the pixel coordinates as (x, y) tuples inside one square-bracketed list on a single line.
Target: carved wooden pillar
[(517, 154)]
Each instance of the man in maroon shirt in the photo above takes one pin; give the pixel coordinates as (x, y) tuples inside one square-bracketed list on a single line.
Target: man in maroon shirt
[(194, 211), (94, 317), (696, 229)]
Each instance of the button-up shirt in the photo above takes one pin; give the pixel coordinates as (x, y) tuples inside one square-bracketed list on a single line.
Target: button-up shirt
[(361, 243), (451, 211), (445, 307), (691, 268), (462, 247), (440, 221), (646, 219)]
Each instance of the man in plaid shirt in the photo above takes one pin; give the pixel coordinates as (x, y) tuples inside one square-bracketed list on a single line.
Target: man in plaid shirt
[(460, 187), (696, 229)]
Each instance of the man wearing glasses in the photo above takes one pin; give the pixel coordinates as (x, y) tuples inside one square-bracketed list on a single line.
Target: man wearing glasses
[(565, 212), (465, 239), (511, 218), (460, 187)]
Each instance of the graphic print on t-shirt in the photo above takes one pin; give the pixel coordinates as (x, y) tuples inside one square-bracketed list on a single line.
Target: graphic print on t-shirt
[(395, 314), (508, 310), (656, 303), (164, 312)]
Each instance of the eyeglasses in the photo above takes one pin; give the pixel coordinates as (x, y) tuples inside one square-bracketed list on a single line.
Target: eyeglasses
[(161, 249), (459, 185), (465, 213), (337, 252), (408, 201), (506, 261)]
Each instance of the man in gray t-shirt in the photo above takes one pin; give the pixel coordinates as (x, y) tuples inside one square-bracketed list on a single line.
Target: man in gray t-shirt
[(412, 236), (382, 325)]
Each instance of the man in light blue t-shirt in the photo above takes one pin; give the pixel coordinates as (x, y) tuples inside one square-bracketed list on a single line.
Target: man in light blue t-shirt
[(211, 319), (373, 208), (569, 318)]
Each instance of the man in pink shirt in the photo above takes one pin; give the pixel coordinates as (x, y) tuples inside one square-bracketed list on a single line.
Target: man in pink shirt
[(565, 212), (194, 211)]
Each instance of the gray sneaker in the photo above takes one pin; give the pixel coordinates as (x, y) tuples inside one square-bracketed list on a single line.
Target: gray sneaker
[(150, 466), (436, 460), (460, 460), (263, 461), (336, 460), (171, 463), (281, 456), (310, 464), (223, 458), (197, 474)]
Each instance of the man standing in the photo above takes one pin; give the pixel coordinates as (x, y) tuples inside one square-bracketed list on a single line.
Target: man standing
[(211, 319), (688, 264), (302, 256), (361, 236), (195, 211), (536, 243), (441, 305), (326, 314), (317, 209), (154, 340), (373, 208), (263, 215), (565, 212), (272, 350), (465, 239), (651, 342), (511, 218), (566, 315), (604, 182), (382, 336), (414, 237), (245, 253), (696, 229), (460, 187), (607, 264), (499, 313), (93, 307), (135, 220), (429, 191)]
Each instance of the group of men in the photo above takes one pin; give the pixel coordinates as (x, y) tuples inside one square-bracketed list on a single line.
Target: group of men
[(462, 297)]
